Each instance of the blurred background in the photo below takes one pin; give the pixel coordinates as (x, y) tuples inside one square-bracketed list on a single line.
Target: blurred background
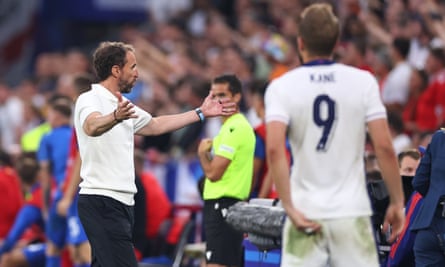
[(182, 44)]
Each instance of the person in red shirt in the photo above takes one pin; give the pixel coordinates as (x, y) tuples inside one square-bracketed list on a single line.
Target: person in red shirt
[(417, 84), (24, 244), (152, 207), (354, 54), (11, 196), (430, 109), (262, 184)]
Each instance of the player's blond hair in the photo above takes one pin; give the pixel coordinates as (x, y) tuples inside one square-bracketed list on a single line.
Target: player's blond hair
[(319, 29)]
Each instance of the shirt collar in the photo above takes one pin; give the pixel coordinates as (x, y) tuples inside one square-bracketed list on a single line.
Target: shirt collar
[(318, 62), (99, 89)]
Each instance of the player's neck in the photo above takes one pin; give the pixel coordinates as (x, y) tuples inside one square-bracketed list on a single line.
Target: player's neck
[(308, 58)]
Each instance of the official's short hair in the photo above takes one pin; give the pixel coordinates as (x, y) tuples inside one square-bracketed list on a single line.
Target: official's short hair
[(109, 54), (319, 29), (234, 83)]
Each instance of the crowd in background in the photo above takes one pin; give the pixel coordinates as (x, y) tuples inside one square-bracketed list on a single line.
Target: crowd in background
[(180, 45)]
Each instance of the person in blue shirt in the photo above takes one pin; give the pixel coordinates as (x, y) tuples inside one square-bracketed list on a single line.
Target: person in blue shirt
[(52, 156)]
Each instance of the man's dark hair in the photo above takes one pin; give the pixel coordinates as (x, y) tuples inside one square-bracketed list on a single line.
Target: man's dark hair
[(438, 53), (360, 44), (258, 87), (62, 104), (5, 159), (27, 167), (82, 82), (234, 83), (412, 153), (395, 122), (402, 45), (109, 54)]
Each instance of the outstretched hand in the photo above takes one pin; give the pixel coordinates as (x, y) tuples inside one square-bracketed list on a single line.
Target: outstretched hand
[(125, 109), (213, 106)]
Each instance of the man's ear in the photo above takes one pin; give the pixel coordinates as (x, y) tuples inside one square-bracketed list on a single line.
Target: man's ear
[(115, 71), (237, 97)]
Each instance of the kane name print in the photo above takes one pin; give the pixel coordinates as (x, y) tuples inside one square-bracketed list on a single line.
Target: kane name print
[(322, 77)]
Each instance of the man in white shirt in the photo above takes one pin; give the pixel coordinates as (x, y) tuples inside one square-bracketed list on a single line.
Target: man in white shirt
[(395, 89), (105, 123), (324, 108)]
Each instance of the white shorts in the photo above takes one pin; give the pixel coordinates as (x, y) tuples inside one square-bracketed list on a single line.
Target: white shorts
[(344, 242)]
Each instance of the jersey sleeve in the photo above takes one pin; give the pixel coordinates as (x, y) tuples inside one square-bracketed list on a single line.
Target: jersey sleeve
[(260, 148), (43, 152), (229, 143), (85, 105), (35, 198), (373, 102), (27, 216), (142, 119), (275, 108)]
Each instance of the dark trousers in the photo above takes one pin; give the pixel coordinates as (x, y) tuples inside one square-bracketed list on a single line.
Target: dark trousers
[(223, 242), (108, 224), (429, 246)]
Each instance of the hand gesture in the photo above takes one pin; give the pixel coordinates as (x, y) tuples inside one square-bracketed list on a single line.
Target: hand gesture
[(125, 109), (212, 106)]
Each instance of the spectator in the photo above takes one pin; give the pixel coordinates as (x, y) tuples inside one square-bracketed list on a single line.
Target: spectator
[(262, 182), (77, 242), (11, 117), (381, 65), (431, 105), (25, 243), (395, 89), (151, 208), (418, 82), (400, 139), (53, 156), (401, 253), (355, 54), (409, 160), (11, 196)]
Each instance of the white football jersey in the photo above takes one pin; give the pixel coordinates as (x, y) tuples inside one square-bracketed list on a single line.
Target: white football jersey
[(326, 106)]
